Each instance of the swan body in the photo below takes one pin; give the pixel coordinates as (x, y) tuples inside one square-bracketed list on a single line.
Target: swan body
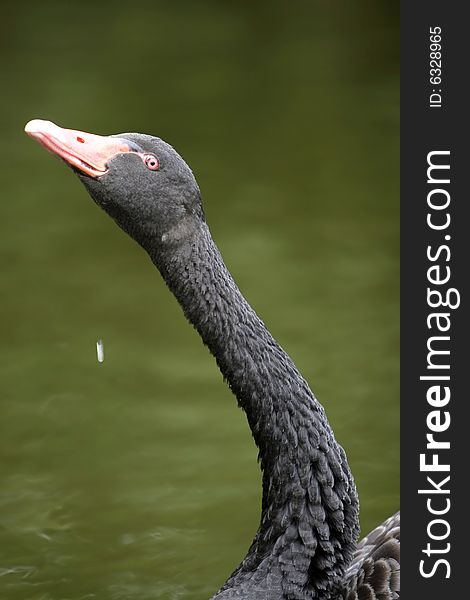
[(305, 547)]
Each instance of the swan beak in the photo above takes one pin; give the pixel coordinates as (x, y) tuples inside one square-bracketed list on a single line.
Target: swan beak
[(87, 152)]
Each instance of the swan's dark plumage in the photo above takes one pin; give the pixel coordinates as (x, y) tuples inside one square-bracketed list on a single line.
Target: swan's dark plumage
[(305, 547), (374, 573)]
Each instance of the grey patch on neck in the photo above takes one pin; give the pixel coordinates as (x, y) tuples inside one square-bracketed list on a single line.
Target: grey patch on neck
[(179, 232)]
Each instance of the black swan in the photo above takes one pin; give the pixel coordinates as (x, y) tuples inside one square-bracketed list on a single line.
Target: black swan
[(305, 547)]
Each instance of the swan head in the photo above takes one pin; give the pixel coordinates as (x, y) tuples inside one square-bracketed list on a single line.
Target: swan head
[(138, 179)]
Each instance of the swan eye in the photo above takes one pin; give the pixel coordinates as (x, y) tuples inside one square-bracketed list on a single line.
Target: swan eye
[(151, 162)]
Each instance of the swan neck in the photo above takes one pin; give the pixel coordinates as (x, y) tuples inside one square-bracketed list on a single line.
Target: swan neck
[(309, 520)]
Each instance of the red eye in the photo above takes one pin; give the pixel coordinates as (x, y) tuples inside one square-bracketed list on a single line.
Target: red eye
[(151, 161)]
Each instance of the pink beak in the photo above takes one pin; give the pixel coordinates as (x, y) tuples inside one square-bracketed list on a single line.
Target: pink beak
[(86, 151)]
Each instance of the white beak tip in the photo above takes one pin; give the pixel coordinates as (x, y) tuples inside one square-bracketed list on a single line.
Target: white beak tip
[(38, 126)]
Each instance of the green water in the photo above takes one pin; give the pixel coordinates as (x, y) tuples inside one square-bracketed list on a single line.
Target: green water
[(137, 478)]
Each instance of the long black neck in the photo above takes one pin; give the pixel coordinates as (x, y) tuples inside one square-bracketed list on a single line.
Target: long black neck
[(309, 520)]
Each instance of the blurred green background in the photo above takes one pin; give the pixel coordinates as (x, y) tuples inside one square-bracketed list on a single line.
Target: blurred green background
[(138, 478)]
